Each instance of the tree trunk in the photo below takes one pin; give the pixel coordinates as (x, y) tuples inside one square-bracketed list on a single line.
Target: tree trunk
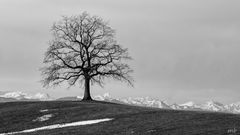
[(87, 95)]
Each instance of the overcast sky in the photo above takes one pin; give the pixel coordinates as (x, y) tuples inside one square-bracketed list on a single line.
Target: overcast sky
[(183, 49)]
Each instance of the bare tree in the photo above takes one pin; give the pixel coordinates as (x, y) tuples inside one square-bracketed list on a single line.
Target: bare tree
[(83, 49)]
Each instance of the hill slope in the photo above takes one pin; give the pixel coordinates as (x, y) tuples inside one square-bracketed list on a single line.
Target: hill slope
[(17, 116)]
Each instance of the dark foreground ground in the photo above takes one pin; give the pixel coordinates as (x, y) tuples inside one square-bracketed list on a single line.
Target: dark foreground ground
[(128, 120)]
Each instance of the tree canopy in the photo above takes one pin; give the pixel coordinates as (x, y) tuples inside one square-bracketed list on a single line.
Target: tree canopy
[(84, 50)]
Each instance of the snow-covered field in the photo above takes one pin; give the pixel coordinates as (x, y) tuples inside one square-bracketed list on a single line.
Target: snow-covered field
[(55, 126)]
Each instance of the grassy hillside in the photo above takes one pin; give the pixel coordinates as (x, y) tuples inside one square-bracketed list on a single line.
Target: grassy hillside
[(17, 116)]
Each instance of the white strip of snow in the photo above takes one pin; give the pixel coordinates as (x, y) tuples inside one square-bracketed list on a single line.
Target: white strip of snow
[(55, 126), (45, 110)]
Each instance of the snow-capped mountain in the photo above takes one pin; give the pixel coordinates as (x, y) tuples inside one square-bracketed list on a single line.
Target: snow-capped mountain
[(176, 107), (18, 95), (41, 96), (105, 96), (151, 102), (213, 106), (190, 105), (108, 98), (148, 102), (139, 101), (234, 107)]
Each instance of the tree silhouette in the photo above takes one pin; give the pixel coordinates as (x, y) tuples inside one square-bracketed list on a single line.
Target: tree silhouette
[(84, 50)]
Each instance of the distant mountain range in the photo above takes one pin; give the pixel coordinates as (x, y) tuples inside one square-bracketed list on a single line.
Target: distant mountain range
[(138, 101), (151, 102), (21, 96)]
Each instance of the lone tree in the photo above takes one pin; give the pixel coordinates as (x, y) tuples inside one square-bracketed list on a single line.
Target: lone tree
[(84, 50)]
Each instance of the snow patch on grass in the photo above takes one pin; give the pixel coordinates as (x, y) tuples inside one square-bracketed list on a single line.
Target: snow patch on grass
[(43, 118), (55, 126), (45, 110)]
